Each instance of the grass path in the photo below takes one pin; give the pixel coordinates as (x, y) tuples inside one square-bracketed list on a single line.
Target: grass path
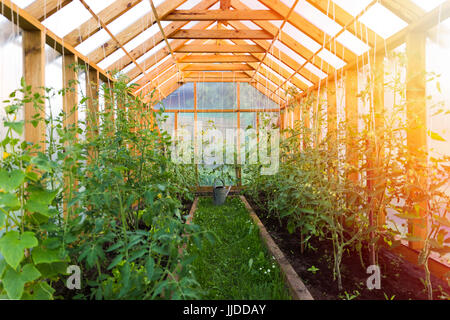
[(237, 265)]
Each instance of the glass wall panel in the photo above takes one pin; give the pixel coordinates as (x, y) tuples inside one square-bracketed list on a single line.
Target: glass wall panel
[(11, 65), (182, 98), (252, 98), (217, 95), (167, 123)]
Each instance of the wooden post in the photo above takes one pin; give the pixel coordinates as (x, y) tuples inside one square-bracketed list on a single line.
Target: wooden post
[(332, 126), (70, 108), (70, 99), (417, 132), (351, 121), (34, 75), (196, 149), (380, 175), (239, 160), (92, 87)]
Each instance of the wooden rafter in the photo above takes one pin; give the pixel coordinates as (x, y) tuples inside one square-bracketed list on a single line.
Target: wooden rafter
[(161, 29), (214, 58), (219, 67), (277, 34), (222, 15), (158, 38), (303, 25), (107, 15), (42, 9), (342, 17), (406, 10), (225, 4), (134, 30)]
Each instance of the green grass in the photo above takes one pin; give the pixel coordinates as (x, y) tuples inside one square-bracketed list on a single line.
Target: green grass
[(236, 265)]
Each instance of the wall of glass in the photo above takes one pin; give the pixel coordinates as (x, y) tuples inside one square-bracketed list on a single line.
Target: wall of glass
[(11, 64), (182, 98), (217, 95), (252, 98)]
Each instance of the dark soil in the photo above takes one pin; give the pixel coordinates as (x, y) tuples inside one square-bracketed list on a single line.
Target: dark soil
[(400, 279)]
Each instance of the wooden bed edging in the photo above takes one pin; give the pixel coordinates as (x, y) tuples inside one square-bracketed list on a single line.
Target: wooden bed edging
[(296, 287)]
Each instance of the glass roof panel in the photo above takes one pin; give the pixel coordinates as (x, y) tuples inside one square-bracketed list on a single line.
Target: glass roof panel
[(331, 59), (301, 37), (320, 20), (316, 71), (304, 80), (352, 43), (93, 42), (354, 7), (391, 23), (130, 17), (289, 52), (109, 60), (63, 22)]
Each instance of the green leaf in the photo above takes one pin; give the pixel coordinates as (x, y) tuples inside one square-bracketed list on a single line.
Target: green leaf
[(10, 181), (14, 282), (40, 291), (2, 219), (44, 255), (9, 200), (150, 267), (13, 244), (33, 206), (15, 126)]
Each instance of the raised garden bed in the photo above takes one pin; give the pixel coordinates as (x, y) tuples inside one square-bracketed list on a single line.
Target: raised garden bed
[(400, 279)]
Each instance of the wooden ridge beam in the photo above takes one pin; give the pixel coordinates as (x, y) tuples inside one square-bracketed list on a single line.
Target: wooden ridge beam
[(211, 48), (219, 75), (218, 59), (107, 15), (219, 67), (221, 34), (222, 15)]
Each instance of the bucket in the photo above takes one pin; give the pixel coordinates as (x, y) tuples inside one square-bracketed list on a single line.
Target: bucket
[(220, 193)]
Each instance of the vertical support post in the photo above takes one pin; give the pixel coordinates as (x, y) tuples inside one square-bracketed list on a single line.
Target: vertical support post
[(380, 175), (196, 155), (70, 99), (351, 120), (417, 132), (332, 126), (239, 160), (70, 108), (92, 120), (34, 75)]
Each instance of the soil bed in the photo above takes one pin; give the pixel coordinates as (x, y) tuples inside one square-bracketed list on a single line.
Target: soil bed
[(400, 279)]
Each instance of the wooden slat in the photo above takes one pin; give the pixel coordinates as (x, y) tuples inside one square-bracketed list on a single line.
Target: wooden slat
[(351, 122), (221, 34), (218, 75), (358, 29), (134, 30), (107, 15), (42, 9), (34, 74), (222, 15), (218, 59), (225, 4), (30, 23), (215, 79), (206, 48), (70, 82), (156, 39), (311, 30), (286, 39), (218, 67)]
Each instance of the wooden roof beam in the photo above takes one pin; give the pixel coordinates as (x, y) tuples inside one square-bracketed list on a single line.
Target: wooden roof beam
[(134, 30), (211, 48), (219, 67), (214, 58), (221, 34), (107, 15), (42, 9), (311, 30), (222, 15), (406, 10), (156, 39), (342, 17)]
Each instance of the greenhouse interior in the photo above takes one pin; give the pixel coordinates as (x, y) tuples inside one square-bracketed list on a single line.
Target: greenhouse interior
[(225, 150)]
